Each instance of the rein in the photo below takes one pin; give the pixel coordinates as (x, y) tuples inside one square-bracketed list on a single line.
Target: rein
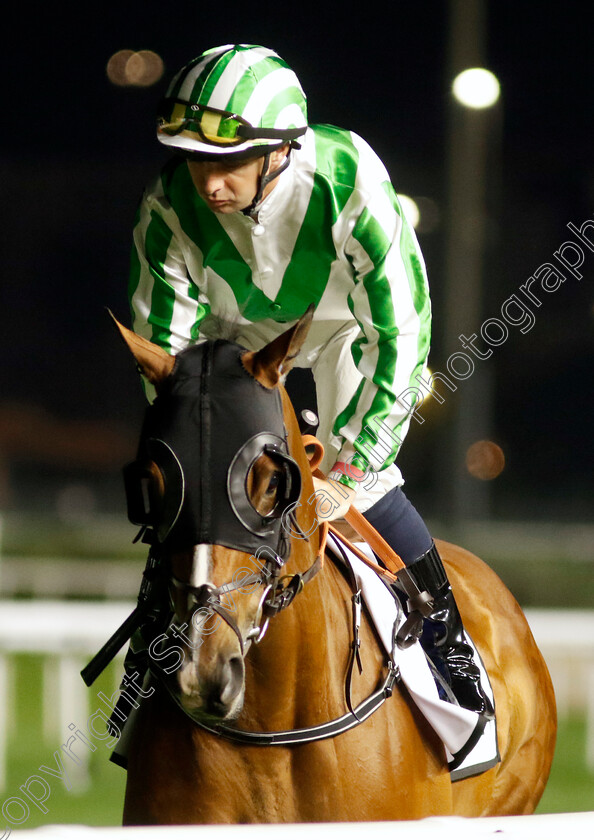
[(292, 737)]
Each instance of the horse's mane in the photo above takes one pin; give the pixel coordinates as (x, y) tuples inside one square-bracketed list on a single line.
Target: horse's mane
[(226, 329)]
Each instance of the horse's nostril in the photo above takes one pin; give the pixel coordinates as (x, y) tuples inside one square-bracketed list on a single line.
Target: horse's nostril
[(232, 675)]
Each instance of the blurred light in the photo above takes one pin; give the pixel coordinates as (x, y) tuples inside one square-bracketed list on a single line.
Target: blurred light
[(144, 68), (476, 88), (127, 68), (116, 67), (410, 209), (485, 460)]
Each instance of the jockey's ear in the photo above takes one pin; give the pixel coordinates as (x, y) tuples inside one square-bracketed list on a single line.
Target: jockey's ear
[(276, 359), (153, 361)]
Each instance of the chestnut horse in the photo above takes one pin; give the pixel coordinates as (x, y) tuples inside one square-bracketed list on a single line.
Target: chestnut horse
[(392, 766)]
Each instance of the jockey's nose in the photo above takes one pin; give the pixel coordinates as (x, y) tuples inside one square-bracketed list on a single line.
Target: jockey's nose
[(212, 186), (213, 181)]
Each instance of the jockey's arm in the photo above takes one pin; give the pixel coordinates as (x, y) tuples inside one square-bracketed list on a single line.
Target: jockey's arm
[(391, 304)]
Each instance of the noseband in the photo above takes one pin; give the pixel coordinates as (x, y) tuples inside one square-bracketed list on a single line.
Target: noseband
[(276, 597), (279, 593)]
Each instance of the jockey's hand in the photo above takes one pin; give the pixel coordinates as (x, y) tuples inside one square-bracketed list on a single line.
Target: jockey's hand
[(332, 499)]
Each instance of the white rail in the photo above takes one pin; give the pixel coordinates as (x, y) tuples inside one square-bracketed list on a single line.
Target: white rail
[(68, 633), (541, 827)]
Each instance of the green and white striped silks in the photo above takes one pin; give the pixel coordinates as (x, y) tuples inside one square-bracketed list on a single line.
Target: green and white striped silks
[(330, 233)]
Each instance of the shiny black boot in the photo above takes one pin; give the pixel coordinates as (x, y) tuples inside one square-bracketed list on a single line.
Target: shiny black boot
[(443, 638)]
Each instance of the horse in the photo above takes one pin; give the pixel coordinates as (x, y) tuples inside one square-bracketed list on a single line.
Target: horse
[(181, 769)]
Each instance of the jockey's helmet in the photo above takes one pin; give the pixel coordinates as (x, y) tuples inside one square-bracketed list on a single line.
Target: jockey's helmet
[(241, 100)]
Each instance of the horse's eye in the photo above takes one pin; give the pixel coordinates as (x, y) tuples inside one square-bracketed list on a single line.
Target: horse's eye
[(263, 484), (274, 483)]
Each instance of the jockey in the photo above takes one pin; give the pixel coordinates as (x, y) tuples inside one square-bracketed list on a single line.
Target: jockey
[(256, 217)]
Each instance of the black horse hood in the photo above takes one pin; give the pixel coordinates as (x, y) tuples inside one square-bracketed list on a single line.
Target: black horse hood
[(206, 428)]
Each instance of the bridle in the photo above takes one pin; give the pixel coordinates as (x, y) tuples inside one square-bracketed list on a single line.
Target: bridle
[(279, 593), (210, 423)]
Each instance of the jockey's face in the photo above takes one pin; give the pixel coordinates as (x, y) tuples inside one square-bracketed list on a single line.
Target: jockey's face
[(229, 186)]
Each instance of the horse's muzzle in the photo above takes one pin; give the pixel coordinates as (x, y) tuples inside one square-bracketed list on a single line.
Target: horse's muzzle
[(222, 695), (216, 695)]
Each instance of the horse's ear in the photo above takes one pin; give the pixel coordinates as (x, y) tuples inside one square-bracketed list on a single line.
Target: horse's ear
[(276, 359), (152, 361)]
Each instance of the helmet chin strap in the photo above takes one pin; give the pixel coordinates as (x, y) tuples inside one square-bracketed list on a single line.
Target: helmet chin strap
[(265, 178)]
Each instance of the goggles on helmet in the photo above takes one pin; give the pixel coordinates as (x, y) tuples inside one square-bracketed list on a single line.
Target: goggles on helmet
[(219, 128)]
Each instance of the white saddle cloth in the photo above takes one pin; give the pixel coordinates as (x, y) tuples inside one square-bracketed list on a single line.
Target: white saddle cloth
[(458, 728)]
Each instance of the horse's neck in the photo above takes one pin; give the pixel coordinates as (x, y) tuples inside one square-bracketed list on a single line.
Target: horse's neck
[(296, 676)]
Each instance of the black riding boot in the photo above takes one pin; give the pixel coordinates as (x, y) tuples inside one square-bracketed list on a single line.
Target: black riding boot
[(443, 638)]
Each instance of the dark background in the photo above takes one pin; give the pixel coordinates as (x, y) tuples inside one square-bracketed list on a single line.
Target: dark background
[(75, 152)]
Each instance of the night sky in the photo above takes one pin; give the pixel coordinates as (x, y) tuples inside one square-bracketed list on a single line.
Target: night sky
[(76, 152)]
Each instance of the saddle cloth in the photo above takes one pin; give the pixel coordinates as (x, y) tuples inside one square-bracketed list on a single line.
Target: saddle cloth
[(470, 741)]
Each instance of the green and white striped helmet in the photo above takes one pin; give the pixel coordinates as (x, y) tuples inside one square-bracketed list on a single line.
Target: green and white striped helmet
[(234, 99)]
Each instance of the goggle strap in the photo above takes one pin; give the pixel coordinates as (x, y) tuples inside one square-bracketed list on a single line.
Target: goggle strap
[(287, 134)]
